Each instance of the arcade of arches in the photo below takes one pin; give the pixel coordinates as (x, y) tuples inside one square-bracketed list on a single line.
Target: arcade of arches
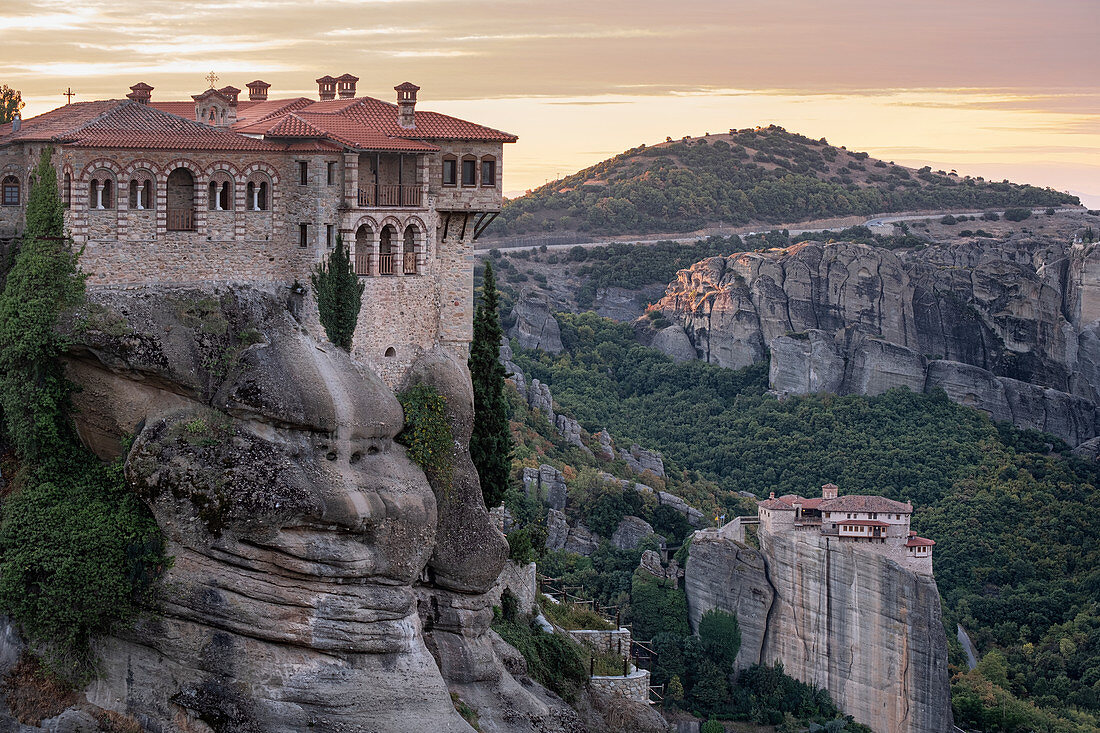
[(389, 253)]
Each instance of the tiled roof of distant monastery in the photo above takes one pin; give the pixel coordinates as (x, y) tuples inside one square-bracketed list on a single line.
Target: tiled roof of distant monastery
[(850, 503), (915, 541)]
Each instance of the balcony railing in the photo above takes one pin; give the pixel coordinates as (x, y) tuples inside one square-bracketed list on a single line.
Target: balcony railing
[(385, 263), (362, 262), (180, 220), (391, 195), (410, 263)]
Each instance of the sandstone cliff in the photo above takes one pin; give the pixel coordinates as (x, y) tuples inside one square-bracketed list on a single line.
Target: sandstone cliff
[(856, 624), (1012, 328), (320, 582)]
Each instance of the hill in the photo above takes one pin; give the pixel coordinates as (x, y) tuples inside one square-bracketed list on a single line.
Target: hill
[(765, 175)]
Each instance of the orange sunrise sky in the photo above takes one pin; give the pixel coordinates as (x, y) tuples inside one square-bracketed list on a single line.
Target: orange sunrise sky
[(998, 88)]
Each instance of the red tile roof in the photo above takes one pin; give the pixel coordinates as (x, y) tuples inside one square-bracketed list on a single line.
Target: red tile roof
[(920, 542), (776, 505), (863, 522), (127, 124)]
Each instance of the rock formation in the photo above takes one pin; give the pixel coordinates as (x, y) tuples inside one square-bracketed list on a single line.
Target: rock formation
[(1012, 328), (632, 532), (855, 623), (535, 326), (546, 484), (320, 582), (639, 460)]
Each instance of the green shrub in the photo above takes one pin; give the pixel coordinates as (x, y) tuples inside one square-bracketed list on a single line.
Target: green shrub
[(571, 616), (1018, 214), (712, 726), (721, 637), (427, 434), (555, 661)]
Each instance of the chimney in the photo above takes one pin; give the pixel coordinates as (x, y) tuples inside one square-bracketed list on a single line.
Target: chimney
[(140, 93), (326, 88), (829, 491), (16, 122), (771, 495), (345, 86), (257, 90), (406, 103)]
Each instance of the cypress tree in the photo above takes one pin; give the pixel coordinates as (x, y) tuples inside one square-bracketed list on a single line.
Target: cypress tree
[(339, 295), (43, 282), (491, 441)]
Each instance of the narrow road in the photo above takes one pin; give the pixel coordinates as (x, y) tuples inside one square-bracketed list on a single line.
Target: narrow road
[(484, 248)]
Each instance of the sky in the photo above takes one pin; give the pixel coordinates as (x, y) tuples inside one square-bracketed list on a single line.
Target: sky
[(998, 88)]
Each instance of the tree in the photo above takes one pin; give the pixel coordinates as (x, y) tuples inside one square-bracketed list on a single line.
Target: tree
[(339, 295), (11, 101), (43, 282), (491, 441), (721, 636)]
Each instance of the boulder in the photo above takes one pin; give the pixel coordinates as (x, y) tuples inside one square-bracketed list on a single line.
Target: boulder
[(694, 516), (535, 327), (1089, 450), (557, 530), (674, 341), (606, 449), (515, 374), (631, 533), (571, 431), (582, 541), (651, 563), (539, 398)]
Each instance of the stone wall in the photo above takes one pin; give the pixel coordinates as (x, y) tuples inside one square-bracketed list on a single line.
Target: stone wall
[(520, 580), (615, 642), (635, 686), (470, 198)]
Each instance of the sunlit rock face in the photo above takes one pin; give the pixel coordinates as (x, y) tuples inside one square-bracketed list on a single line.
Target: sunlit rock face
[(1012, 327), (320, 582)]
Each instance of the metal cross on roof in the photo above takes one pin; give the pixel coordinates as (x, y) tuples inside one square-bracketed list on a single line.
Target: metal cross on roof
[(68, 94), (212, 78)]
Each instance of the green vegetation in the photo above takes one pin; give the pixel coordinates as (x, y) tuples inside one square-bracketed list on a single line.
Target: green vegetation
[(1017, 559), (554, 660), (491, 440), (572, 616), (78, 550), (427, 434), (765, 175), (1017, 214), (339, 295), (468, 713), (721, 637), (11, 102)]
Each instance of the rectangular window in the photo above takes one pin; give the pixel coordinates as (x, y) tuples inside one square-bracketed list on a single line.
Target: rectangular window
[(331, 171), (303, 235), (450, 172), (469, 173), (330, 236), (303, 172), (488, 173)]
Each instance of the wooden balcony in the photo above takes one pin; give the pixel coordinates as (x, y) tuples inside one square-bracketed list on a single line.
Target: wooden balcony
[(397, 195), (386, 263), (180, 220), (362, 263), (410, 263)]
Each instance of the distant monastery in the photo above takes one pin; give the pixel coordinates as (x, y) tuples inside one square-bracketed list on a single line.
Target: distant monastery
[(871, 523), (219, 189)]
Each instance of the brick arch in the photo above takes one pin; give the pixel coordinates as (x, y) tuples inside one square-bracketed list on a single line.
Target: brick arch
[(418, 223), (100, 164), (141, 164), (224, 166), (369, 221), (196, 170), (398, 227), (258, 167)]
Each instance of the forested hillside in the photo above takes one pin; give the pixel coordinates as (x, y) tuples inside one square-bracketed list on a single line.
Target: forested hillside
[(765, 175), (1017, 559)]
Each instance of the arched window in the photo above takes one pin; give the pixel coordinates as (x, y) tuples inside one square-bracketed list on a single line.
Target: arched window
[(410, 250), (10, 187), (180, 193), (141, 192), (101, 191), (220, 194), (488, 171), (364, 250), (385, 250), (258, 194)]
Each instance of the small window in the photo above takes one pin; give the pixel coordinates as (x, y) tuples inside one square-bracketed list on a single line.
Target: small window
[(303, 172), (330, 236), (330, 172), (450, 172), (11, 191), (488, 172), (391, 352), (469, 172), (303, 235), (256, 196)]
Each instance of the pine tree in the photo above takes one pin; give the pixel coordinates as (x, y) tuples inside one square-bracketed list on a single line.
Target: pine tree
[(491, 441), (43, 282), (339, 295)]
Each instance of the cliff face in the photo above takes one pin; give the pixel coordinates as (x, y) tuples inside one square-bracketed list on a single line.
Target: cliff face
[(1011, 327), (320, 582), (856, 624)]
